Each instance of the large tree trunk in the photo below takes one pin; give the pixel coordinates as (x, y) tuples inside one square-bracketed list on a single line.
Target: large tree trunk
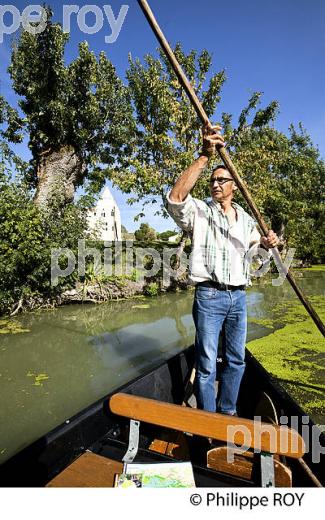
[(58, 173)]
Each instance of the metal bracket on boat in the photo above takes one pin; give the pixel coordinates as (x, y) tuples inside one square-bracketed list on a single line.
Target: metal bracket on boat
[(267, 470), (133, 442)]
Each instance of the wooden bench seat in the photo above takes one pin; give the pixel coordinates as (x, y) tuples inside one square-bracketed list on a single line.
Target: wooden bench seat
[(261, 436)]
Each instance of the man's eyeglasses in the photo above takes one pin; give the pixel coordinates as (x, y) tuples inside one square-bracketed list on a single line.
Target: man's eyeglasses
[(219, 180)]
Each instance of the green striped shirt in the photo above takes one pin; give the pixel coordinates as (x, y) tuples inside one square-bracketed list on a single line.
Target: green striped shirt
[(220, 251)]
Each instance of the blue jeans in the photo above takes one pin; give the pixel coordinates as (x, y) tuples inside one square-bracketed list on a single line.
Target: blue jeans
[(213, 309)]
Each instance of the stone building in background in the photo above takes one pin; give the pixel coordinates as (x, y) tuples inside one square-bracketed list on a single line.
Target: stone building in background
[(105, 217)]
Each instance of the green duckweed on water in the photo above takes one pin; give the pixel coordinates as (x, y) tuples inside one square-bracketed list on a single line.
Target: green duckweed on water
[(38, 378), (265, 322), (8, 326), (295, 354)]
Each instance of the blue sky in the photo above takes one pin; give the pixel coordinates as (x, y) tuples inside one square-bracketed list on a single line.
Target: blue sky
[(275, 46)]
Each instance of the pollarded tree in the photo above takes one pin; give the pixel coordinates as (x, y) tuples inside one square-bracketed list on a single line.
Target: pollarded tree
[(77, 116)]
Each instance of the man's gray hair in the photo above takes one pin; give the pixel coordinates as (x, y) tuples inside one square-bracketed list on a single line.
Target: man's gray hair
[(220, 166)]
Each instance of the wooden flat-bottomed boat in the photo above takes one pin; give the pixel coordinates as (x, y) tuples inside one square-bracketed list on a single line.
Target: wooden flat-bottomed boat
[(87, 450)]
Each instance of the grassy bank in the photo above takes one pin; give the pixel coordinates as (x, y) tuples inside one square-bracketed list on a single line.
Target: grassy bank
[(319, 267)]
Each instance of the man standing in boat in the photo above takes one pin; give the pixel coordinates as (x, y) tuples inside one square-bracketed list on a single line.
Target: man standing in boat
[(224, 240)]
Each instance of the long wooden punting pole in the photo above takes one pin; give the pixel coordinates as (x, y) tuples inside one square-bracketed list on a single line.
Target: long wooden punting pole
[(225, 157)]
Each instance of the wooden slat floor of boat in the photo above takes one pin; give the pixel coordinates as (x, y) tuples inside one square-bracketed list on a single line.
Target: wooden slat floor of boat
[(89, 470)]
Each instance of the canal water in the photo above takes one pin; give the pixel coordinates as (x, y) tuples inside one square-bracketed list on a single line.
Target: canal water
[(55, 363)]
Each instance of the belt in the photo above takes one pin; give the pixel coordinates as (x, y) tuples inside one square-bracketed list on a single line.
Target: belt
[(221, 286)]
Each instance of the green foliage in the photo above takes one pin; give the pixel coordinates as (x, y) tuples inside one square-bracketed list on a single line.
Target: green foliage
[(166, 234), (284, 172), (152, 289), (168, 130), (10, 126), (286, 176), (27, 236), (9, 116), (83, 105), (145, 233)]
